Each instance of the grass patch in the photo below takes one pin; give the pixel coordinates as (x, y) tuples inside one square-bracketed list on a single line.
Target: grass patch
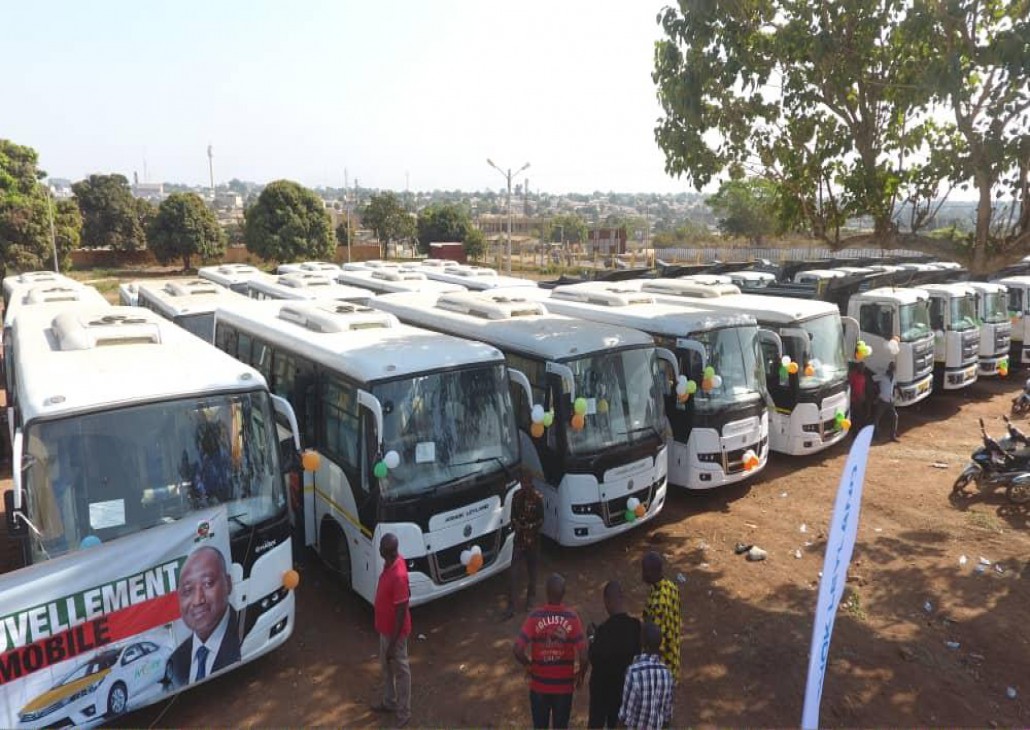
[(851, 604), (984, 521)]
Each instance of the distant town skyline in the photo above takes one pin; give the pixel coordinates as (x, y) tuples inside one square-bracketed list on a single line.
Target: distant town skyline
[(399, 94)]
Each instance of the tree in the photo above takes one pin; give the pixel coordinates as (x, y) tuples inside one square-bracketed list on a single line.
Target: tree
[(568, 227), (183, 228), (345, 233), (443, 222), (25, 240), (386, 217), (474, 244), (746, 208), (111, 217), (289, 223)]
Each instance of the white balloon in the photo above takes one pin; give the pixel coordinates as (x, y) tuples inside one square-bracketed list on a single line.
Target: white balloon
[(632, 503), (785, 360), (537, 414), (392, 459), (893, 347), (681, 389), (466, 556), (476, 550), (682, 381), (716, 381)]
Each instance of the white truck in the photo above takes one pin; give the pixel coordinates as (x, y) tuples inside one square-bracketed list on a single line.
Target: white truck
[(956, 350), (1019, 308), (995, 328)]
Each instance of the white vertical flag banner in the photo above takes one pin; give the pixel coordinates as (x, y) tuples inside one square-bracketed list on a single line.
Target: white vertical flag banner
[(840, 544)]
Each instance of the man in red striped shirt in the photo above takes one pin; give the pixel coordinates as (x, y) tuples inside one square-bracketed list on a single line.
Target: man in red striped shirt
[(555, 639)]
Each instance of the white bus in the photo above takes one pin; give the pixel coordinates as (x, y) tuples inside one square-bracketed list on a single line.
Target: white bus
[(306, 286), (474, 278), (593, 473), (136, 443), (390, 281), (232, 276), (720, 435), (807, 402), (415, 431), (189, 303), (308, 266), (29, 279)]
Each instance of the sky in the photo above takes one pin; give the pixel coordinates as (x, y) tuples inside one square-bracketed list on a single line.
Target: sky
[(399, 93)]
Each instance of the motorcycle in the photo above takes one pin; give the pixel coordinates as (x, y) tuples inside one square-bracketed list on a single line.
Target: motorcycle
[(993, 465), (1021, 403)]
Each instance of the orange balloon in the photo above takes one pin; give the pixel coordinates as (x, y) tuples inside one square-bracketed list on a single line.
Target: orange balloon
[(310, 460), (291, 579), (475, 563), (707, 384), (792, 368), (809, 370), (578, 422), (641, 510), (536, 430)]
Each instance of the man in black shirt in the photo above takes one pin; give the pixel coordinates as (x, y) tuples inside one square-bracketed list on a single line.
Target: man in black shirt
[(612, 649)]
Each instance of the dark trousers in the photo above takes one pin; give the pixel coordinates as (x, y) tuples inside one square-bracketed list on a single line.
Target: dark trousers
[(886, 409), (550, 710), (604, 709), (519, 558)]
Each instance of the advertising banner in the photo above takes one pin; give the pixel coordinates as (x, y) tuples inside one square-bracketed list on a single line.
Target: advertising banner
[(98, 632), (840, 543)]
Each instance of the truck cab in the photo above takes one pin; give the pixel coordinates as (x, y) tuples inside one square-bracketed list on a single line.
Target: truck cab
[(900, 315), (956, 349), (995, 328), (1019, 307)]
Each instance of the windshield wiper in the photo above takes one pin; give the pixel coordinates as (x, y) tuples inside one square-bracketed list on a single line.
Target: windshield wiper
[(650, 427), (237, 519)]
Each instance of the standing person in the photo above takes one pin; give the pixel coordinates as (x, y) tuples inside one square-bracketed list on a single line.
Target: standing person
[(647, 691), (859, 400), (885, 401), (612, 650), (527, 517), (554, 637), (393, 624), (663, 609)]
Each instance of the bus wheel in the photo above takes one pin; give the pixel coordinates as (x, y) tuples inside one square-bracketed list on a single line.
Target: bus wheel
[(335, 552)]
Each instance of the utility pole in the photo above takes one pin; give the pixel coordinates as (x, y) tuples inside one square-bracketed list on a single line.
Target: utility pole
[(53, 234), (508, 175), (210, 169), (346, 206)]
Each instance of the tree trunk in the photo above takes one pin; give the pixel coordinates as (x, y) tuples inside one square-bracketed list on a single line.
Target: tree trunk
[(185, 263), (983, 222)]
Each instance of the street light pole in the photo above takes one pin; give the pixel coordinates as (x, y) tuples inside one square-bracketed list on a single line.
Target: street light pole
[(508, 175), (53, 235)]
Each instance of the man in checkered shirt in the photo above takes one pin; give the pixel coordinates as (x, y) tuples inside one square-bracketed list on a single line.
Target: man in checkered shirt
[(647, 691)]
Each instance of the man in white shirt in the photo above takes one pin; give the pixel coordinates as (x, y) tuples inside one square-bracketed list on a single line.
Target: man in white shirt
[(204, 588), (885, 402)]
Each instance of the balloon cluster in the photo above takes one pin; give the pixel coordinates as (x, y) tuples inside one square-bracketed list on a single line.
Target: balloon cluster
[(684, 389), (862, 350), (1003, 367), (390, 461), (894, 346), (634, 509), (579, 414), (842, 421), (787, 367), (541, 419), (751, 460), (472, 559), (710, 379)]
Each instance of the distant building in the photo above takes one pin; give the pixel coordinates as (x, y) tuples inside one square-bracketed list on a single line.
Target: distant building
[(61, 188), (491, 224), (154, 192), (228, 200), (607, 241)]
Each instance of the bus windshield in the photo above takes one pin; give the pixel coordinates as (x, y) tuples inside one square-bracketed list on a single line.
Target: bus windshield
[(995, 308), (446, 426), (731, 353), (915, 321), (963, 313), (824, 351), (623, 395), (112, 473)]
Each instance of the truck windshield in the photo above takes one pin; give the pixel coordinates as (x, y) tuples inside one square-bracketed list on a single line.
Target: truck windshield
[(113, 473), (963, 312), (994, 308), (732, 354), (824, 352), (623, 394), (914, 321), (446, 426)]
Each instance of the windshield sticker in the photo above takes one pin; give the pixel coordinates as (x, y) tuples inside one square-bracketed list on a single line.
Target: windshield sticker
[(591, 406), (425, 452), (107, 514)]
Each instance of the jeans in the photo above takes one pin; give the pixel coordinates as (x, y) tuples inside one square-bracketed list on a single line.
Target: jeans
[(550, 710), (530, 558), (396, 676)]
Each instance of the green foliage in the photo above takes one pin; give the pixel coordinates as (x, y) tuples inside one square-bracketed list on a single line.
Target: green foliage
[(289, 223), (687, 233), (111, 217), (442, 223), (568, 227), (746, 208), (474, 244), (183, 228), (345, 234), (387, 218), (25, 210)]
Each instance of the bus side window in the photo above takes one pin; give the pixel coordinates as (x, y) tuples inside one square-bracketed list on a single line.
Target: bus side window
[(936, 313), (342, 434), (262, 359), (535, 372), (225, 339), (1015, 300), (243, 348)]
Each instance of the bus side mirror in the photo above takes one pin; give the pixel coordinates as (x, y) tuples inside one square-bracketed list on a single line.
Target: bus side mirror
[(372, 403), (17, 523)]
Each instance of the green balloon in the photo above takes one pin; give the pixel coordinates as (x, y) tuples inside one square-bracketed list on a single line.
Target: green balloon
[(709, 372), (783, 371), (580, 406), (691, 387), (380, 470), (548, 419), (631, 516)]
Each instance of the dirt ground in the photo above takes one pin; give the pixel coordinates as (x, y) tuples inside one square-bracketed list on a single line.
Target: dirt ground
[(920, 638)]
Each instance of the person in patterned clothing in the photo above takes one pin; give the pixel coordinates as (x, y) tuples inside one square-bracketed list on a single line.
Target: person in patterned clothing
[(527, 517), (648, 688), (663, 610)]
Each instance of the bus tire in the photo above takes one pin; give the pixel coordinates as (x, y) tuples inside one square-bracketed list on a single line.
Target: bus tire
[(334, 550)]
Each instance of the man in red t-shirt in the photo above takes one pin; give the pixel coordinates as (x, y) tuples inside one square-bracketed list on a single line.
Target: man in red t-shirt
[(393, 624), (555, 639)]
